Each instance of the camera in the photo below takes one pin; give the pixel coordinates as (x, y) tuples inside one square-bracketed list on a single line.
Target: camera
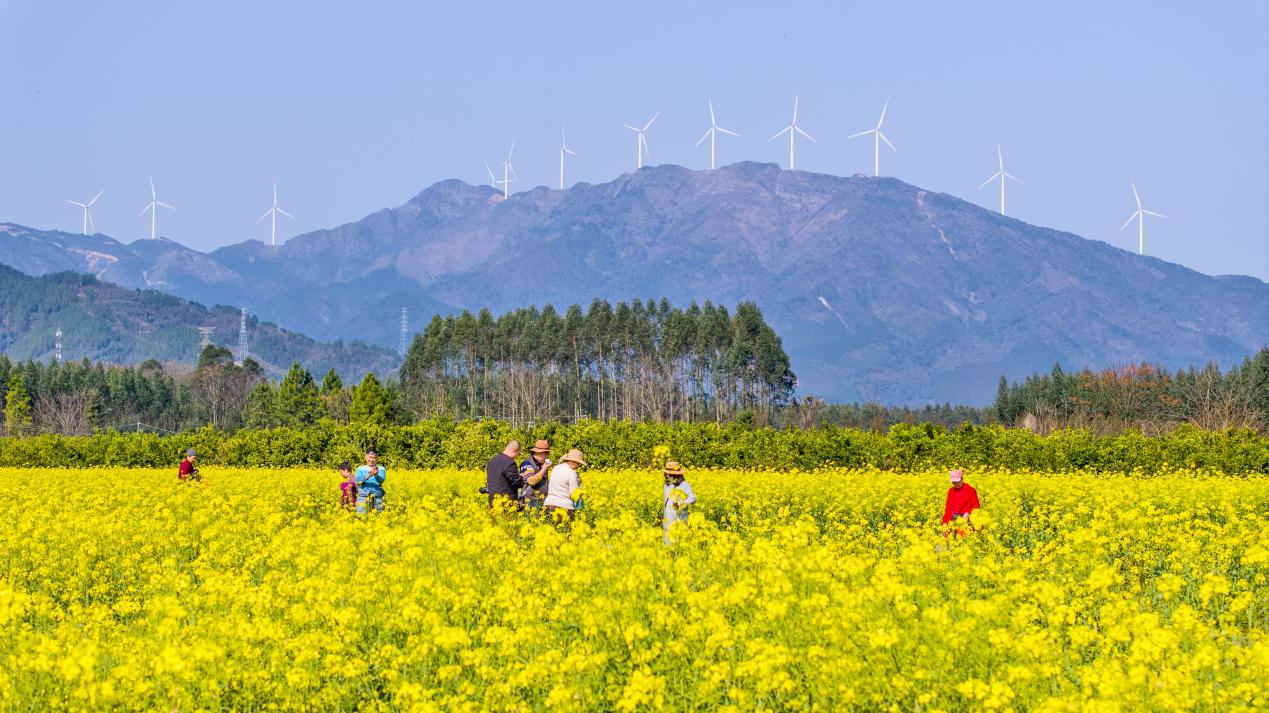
[(484, 490)]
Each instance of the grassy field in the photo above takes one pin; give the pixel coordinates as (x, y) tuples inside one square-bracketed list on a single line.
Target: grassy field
[(826, 591)]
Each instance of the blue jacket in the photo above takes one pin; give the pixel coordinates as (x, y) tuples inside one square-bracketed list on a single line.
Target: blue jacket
[(370, 482)]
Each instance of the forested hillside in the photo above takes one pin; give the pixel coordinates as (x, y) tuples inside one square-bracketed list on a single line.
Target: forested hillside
[(106, 322)]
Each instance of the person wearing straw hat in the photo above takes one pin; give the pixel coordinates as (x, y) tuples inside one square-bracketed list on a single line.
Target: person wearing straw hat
[(533, 471), (564, 485), (962, 500), (678, 497)]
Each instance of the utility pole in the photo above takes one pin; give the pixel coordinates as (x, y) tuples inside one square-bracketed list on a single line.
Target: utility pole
[(57, 345), (242, 338), (405, 332), (206, 332)]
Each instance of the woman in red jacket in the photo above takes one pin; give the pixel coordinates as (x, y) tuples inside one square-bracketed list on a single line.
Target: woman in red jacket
[(962, 499)]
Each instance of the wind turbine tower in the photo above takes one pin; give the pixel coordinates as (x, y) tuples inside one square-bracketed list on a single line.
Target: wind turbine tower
[(508, 172), (877, 138), (153, 206), (1002, 174), (564, 149), (88, 218), (405, 332), (641, 142), (793, 130), (274, 211), (714, 131), (1140, 217)]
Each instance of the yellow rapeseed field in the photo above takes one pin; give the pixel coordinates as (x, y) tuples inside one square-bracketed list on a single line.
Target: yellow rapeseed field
[(824, 591)]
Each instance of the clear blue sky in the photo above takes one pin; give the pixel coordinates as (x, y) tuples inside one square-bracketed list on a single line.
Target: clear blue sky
[(360, 107)]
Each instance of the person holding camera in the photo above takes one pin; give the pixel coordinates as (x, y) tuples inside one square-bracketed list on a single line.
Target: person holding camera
[(533, 471), (502, 479), (369, 480)]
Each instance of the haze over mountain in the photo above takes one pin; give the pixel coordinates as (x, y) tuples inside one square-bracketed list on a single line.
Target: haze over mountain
[(106, 322), (879, 289)]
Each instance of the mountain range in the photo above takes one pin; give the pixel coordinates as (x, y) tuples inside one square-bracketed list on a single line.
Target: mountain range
[(106, 322), (880, 290)]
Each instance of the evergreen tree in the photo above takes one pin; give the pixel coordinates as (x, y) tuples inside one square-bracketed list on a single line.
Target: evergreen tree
[(261, 408), (17, 408), (371, 403), (299, 403), (335, 397)]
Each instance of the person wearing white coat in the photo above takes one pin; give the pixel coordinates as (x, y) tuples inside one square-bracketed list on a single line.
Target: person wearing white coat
[(561, 490), (678, 497)]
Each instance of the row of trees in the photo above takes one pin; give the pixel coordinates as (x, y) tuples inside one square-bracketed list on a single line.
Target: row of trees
[(636, 361), (1141, 396)]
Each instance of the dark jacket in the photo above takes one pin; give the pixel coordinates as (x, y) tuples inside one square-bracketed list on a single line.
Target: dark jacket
[(502, 477)]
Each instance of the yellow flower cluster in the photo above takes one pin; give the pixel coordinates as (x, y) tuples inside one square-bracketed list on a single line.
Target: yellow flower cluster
[(833, 590)]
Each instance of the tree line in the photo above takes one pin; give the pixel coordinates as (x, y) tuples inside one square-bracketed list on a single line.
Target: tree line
[(635, 361), (1141, 396)]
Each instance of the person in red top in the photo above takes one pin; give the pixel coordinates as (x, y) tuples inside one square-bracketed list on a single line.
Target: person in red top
[(188, 471), (962, 499)]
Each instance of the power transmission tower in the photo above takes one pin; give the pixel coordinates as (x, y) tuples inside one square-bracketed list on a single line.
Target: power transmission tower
[(57, 345), (405, 332), (242, 338), (206, 332)]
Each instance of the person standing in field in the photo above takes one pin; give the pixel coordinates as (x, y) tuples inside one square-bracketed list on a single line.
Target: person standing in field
[(962, 500), (533, 472), (564, 487), (187, 471), (678, 497), (369, 480), (347, 487), (502, 478)]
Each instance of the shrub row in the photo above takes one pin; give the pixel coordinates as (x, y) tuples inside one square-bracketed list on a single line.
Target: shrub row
[(468, 444)]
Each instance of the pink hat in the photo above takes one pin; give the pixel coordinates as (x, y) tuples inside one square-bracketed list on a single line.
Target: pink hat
[(955, 476)]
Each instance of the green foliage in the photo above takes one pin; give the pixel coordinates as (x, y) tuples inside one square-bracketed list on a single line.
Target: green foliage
[(261, 409), (299, 403), (468, 444), (17, 408), (371, 403)]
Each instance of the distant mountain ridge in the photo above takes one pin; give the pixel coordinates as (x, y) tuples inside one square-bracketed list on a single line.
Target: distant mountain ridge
[(880, 290), (109, 323)]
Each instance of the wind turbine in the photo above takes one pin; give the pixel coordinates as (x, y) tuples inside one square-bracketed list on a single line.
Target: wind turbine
[(153, 207), (508, 172), (88, 219), (564, 149), (273, 234), (712, 134), (793, 129), (1002, 174), (492, 180), (878, 137), (1140, 216), (641, 144)]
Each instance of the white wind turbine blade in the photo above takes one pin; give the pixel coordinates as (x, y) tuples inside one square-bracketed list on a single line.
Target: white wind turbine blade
[(1135, 196), (94, 200), (491, 173), (654, 118), (91, 225), (1013, 177), (165, 205), (285, 213), (782, 132), (1000, 154), (883, 113), (994, 176), (712, 121), (1129, 221), (800, 131), (569, 151), (862, 133), (153, 195), (795, 109), (721, 130), (513, 150), (147, 207), (702, 139), (81, 205), (1157, 215), (266, 215), (644, 142), (883, 138)]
